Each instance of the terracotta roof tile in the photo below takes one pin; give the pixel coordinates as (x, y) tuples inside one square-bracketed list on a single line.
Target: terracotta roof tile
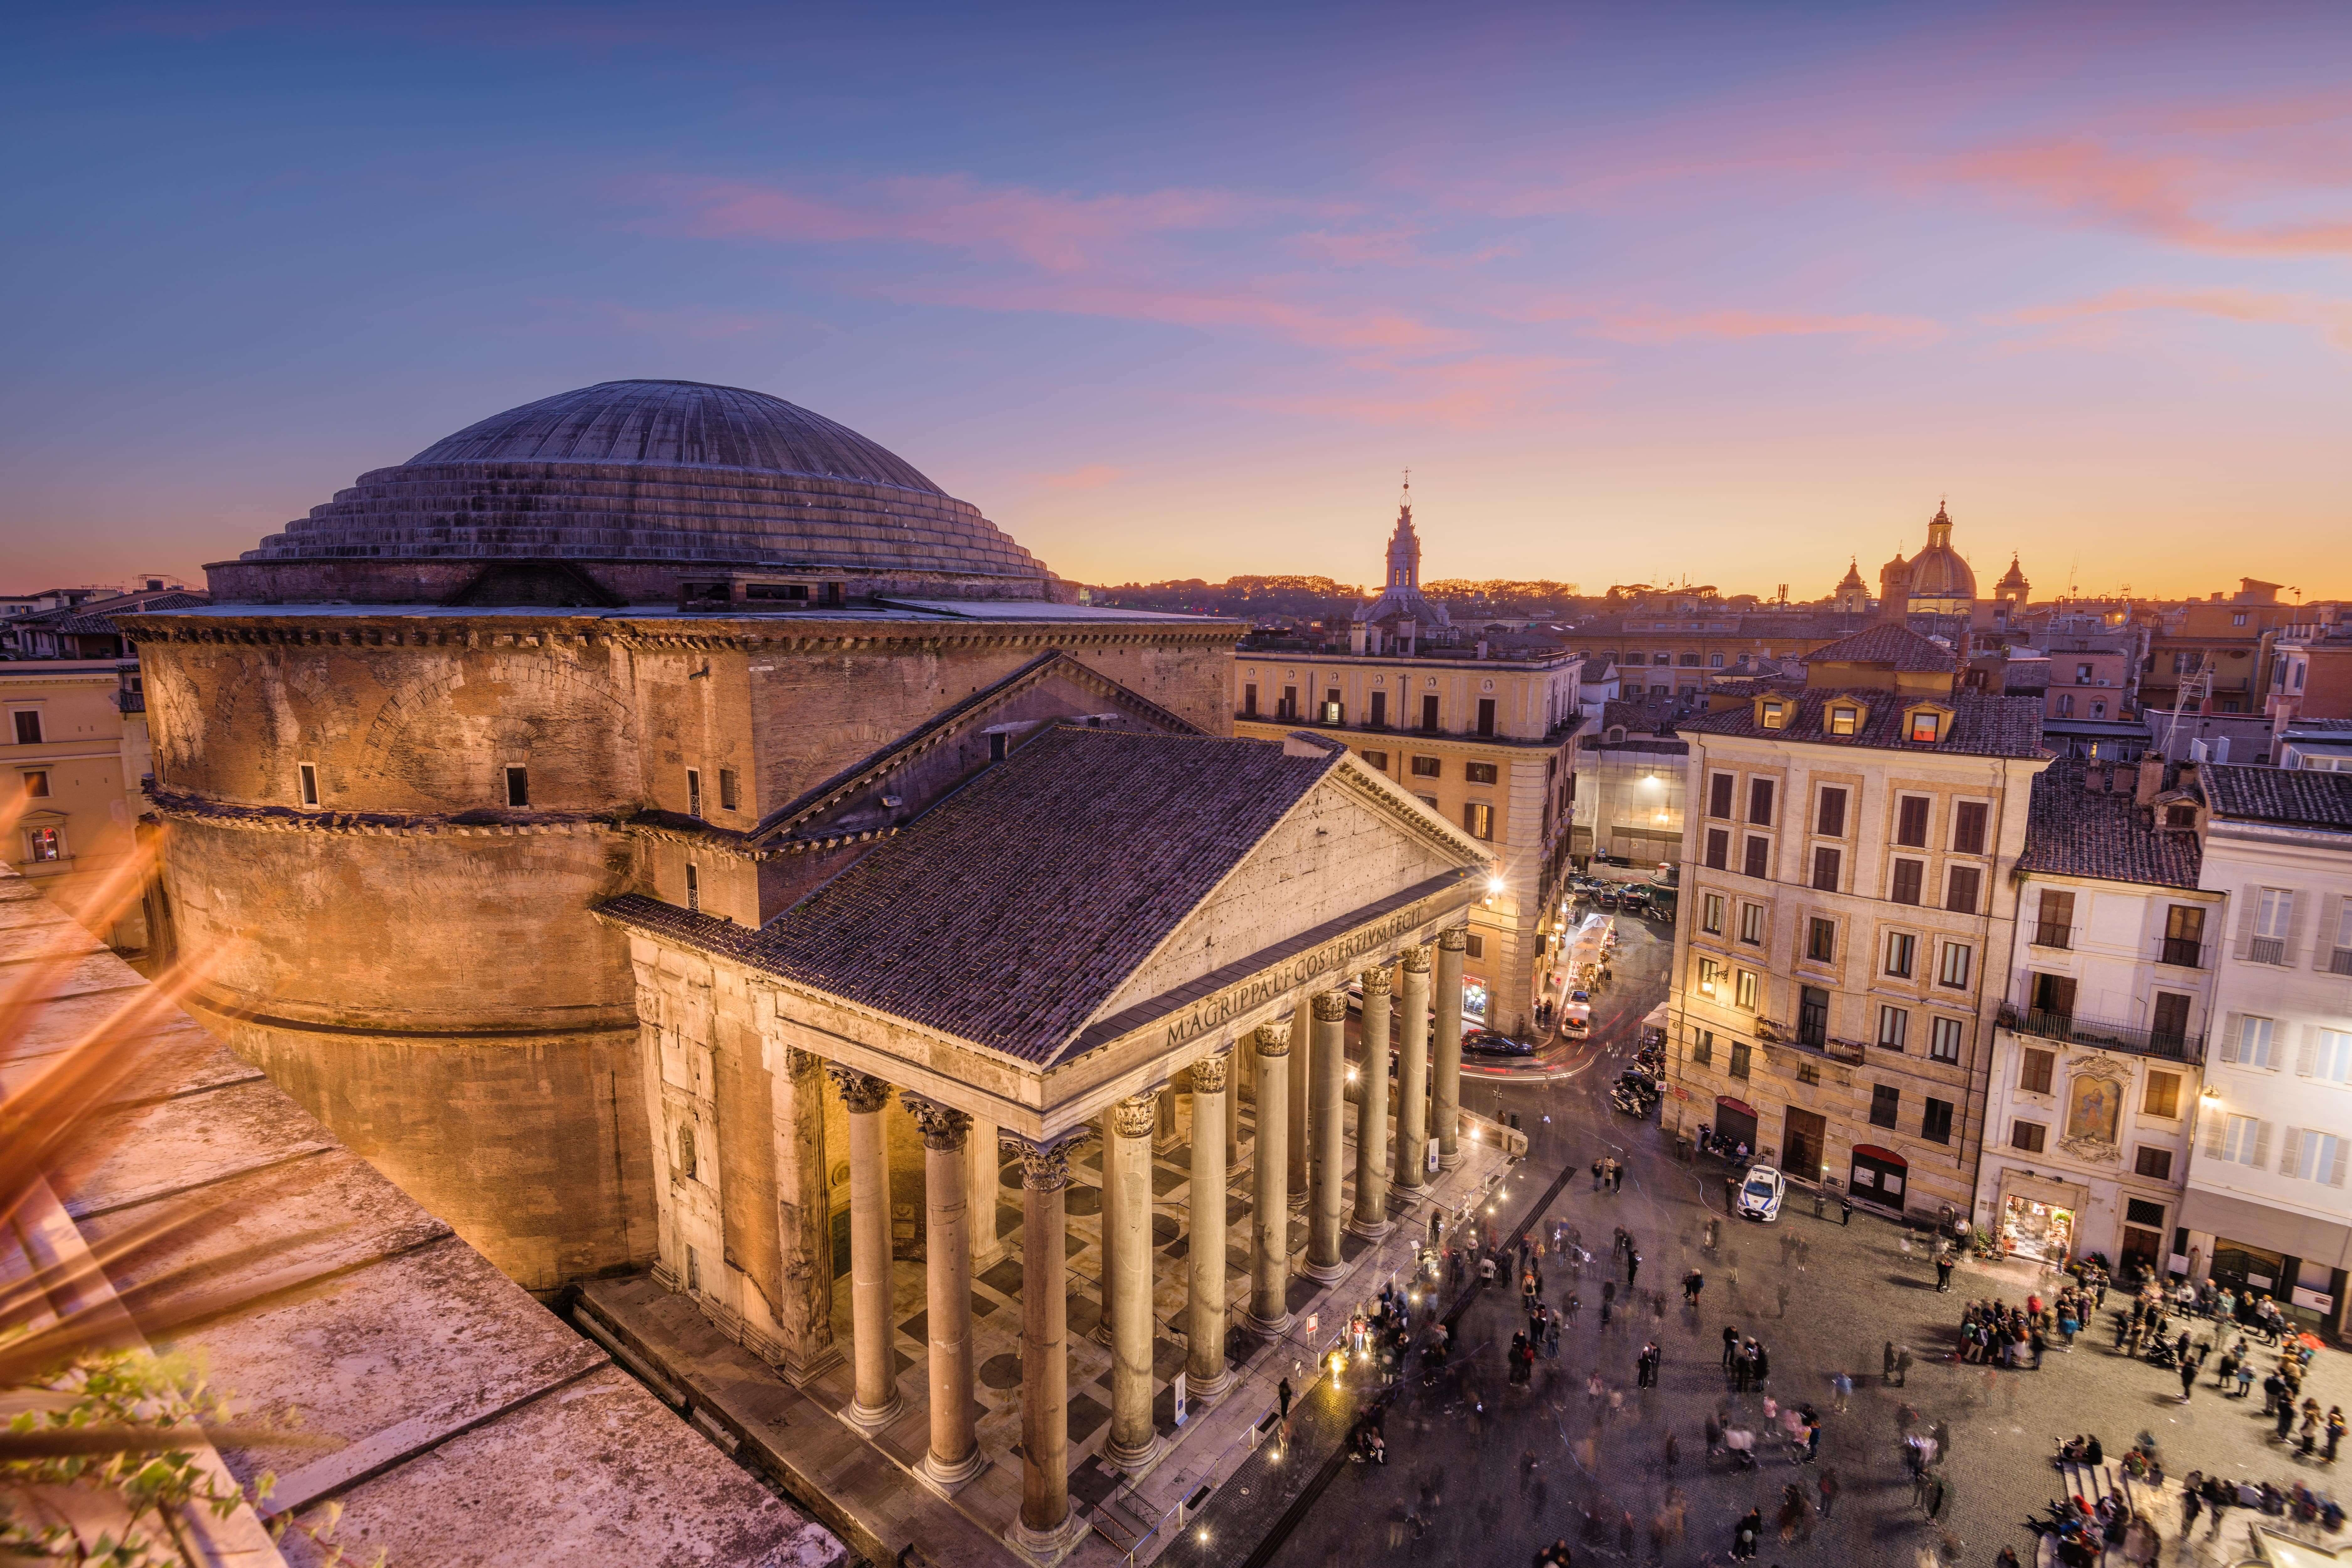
[(2298, 797), (1982, 724), (1888, 644), (2071, 831), (1010, 913)]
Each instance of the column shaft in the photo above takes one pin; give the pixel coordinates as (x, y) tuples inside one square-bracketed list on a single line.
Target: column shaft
[(1329, 1066), (1372, 1112), (1445, 1086), (876, 1399), (1205, 1326), (1301, 1145), (954, 1456), (1045, 1348), (1270, 1213), (1106, 1269), (1413, 1070), (1132, 1444)]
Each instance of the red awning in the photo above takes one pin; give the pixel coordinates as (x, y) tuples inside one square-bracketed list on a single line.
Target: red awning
[(1885, 1156), (1728, 1103)]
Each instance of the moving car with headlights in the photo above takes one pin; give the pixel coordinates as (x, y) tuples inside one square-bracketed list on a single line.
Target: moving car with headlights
[(1760, 1193)]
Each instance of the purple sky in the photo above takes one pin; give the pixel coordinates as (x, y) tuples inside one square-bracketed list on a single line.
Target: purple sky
[(1729, 293)]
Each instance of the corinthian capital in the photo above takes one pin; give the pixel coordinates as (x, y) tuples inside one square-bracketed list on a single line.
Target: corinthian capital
[(1455, 940), (1378, 982), (1274, 1039), (1416, 960), (1046, 1170), (944, 1127), (860, 1090), (1331, 1007), (1208, 1074), (1136, 1116)]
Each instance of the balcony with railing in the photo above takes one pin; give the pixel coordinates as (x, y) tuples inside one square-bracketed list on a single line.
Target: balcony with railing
[(2074, 1029), (2180, 953), (2057, 936)]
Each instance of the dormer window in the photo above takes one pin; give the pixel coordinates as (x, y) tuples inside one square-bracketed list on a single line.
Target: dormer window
[(1924, 726), (1772, 712), (1844, 718), (2180, 814)]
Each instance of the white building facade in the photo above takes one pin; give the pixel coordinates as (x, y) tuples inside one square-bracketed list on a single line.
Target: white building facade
[(2267, 1207), (2104, 1027)]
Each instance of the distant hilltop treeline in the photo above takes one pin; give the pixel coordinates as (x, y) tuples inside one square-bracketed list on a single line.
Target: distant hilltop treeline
[(1312, 594)]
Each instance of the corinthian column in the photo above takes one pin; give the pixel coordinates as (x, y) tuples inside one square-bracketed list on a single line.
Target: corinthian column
[(876, 1399), (954, 1456), (1445, 1089), (1372, 1220), (1301, 1143), (1204, 1323), (1047, 1526), (1132, 1444), (1413, 1070), (1269, 1311), (1328, 1064)]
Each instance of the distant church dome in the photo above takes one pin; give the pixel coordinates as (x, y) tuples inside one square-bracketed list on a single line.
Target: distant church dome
[(2014, 578), (1853, 578), (656, 471), (1937, 571)]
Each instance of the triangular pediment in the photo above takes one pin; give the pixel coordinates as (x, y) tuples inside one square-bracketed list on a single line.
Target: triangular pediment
[(1354, 843)]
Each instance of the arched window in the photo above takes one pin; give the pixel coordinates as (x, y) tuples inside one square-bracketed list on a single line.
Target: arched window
[(685, 1152)]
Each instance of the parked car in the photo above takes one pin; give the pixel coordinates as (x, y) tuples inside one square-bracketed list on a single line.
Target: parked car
[(1488, 1043), (1760, 1193)]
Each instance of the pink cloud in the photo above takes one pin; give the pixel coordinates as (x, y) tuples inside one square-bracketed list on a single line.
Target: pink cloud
[(1375, 328), (1092, 477), (1656, 325), (2331, 317), (2169, 195), (1056, 232), (1478, 391)]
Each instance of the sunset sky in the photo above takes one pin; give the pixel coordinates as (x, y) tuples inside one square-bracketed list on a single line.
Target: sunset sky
[(1729, 293)]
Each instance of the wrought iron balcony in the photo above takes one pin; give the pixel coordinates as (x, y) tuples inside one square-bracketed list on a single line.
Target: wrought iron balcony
[(2180, 953), (2053, 936), (2074, 1029)]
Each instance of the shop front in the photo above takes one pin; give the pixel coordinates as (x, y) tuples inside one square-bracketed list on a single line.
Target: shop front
[(1878, 1176), (2257, 1250), (2040, 1218), (1474, 999)]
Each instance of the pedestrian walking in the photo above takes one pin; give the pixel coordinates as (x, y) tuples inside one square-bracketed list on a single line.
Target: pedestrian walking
[(1693, 1283), (1828, 1487), (1282, 1394), (1903, 1367), (1943, 1272), (1842, 1385), (1845, 1209), (2334, 1430), (2188, 1379), (1886, 1374), (1731, 1348), (1633, 1265), (1745, 1533), (1596, 1175)]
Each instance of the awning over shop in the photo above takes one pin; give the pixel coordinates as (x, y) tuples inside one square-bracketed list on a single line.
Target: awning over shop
[(2282, 1231), (1886, 1156), (1728, 1103)]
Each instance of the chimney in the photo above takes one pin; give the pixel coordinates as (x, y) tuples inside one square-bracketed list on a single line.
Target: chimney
[(2151, 780), (1481, 647), (2094, 778), (1356, 637)]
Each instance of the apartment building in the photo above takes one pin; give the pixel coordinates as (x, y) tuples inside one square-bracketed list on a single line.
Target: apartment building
[(2100, 1040), (1674, 652), (2267, 1207), (1848, 911), (2229, 638), (74, 749), (1488, 745)]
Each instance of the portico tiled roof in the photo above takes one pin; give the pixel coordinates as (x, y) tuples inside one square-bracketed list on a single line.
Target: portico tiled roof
[(2292, 798), (2071, 831), (1896, 647), (1981, 724), (1010, 913)]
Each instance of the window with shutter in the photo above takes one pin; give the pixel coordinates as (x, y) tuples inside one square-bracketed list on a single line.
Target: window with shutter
[(1825, 868), (2274, 918), (1968, 827), (2330, 1052), (1911, 821), (2289, 1155), (1960, 891), (1759, 802), (1718, 849), (1759, 858), (1909, 876), (1718, 796), (2055, 925), (1831, 822), (2261, 1144), (2257, 1042)]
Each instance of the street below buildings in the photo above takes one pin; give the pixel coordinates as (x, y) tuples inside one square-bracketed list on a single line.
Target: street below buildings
[(1480, 1471)]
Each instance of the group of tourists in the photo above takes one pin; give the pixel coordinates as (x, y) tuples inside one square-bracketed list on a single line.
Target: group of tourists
[(1995, 1334)]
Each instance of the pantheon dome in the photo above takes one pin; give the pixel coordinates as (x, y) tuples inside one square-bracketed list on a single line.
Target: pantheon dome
[(634, 483), (1937, 571)]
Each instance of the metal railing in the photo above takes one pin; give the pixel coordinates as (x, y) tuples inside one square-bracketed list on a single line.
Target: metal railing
[(2180, 953), (2072, 1028), (2053, 936)]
